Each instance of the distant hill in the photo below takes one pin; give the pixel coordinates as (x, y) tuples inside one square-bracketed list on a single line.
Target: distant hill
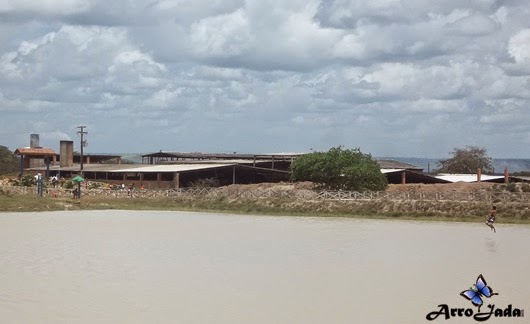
[(428, 165)]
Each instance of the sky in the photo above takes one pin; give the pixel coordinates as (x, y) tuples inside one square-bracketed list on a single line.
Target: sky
[(410, 78)]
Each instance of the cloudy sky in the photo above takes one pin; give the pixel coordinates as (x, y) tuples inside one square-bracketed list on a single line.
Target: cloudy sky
[(409, 78)]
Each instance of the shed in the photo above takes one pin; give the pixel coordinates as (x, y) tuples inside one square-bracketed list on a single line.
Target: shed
[(34, 157)]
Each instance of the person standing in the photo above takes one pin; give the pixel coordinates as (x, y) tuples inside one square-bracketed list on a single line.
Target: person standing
[(491, 219)]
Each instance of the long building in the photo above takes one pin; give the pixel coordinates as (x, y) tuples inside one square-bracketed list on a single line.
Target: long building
[(164, 169)]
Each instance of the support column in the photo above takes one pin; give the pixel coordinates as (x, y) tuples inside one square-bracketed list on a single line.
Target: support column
[(234, 174), (272, 168), (176, 179), (403, 177)]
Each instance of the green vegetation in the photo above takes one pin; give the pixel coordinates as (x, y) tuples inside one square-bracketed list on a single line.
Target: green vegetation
[(26, 181), (9, 163), (340, 169), (467, 160)]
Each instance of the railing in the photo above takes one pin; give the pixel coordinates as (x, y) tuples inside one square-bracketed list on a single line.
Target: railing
[(261, 193)]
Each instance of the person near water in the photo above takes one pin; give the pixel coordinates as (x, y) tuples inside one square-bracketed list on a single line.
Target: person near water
[(491, 219)]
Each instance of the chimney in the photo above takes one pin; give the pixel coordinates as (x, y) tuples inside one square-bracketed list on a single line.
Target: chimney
[(34, 140), (66, 158), (506, 175), (479, 174)]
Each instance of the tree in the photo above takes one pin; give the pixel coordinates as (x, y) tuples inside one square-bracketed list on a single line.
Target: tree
[(9, 163), (338, 168), (467, 160)]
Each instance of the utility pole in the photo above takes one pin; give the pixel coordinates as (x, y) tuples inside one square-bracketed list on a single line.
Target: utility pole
[(83, 144)]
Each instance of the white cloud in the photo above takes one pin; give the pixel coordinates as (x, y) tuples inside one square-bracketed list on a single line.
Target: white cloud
[(474, 25), (224, 36), (62, 7), (288, 75), (519, 47)]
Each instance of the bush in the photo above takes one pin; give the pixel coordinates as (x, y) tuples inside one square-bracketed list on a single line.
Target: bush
[(525, 187), (512, 187), (68, 185), (26, 181)]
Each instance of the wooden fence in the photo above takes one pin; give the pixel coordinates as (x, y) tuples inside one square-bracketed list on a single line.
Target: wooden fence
[(259, 193)]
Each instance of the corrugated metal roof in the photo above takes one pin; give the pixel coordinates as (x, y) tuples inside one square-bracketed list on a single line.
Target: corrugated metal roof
[(137, 167), (219, 156), (467, 177), (170, 167), (391, 170), (213, 162)]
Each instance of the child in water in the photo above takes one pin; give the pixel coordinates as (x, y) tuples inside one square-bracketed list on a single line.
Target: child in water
[(491, 220)]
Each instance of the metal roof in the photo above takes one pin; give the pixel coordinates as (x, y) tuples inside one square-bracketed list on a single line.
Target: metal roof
[(171, 167), (117, 168), (384, 171), (467, 177), (220, 156), (234, 161), (412, 176)]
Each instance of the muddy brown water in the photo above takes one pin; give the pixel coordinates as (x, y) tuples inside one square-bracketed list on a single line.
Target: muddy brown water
[(180, 267)]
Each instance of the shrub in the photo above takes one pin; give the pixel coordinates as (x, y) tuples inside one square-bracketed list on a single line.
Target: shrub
[(26, 181), (68, 184), (95, 185), (512, 187)]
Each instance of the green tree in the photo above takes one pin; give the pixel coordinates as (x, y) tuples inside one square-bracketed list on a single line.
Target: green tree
[(9, 162), (338, 168), (467, 160)]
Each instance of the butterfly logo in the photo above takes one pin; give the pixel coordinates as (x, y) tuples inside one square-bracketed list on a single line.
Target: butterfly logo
[(479, 290)]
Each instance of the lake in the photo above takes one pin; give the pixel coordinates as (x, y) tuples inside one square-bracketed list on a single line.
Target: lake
[(184, 267)]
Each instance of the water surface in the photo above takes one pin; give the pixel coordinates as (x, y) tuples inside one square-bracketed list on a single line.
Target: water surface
[(179, 267)]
